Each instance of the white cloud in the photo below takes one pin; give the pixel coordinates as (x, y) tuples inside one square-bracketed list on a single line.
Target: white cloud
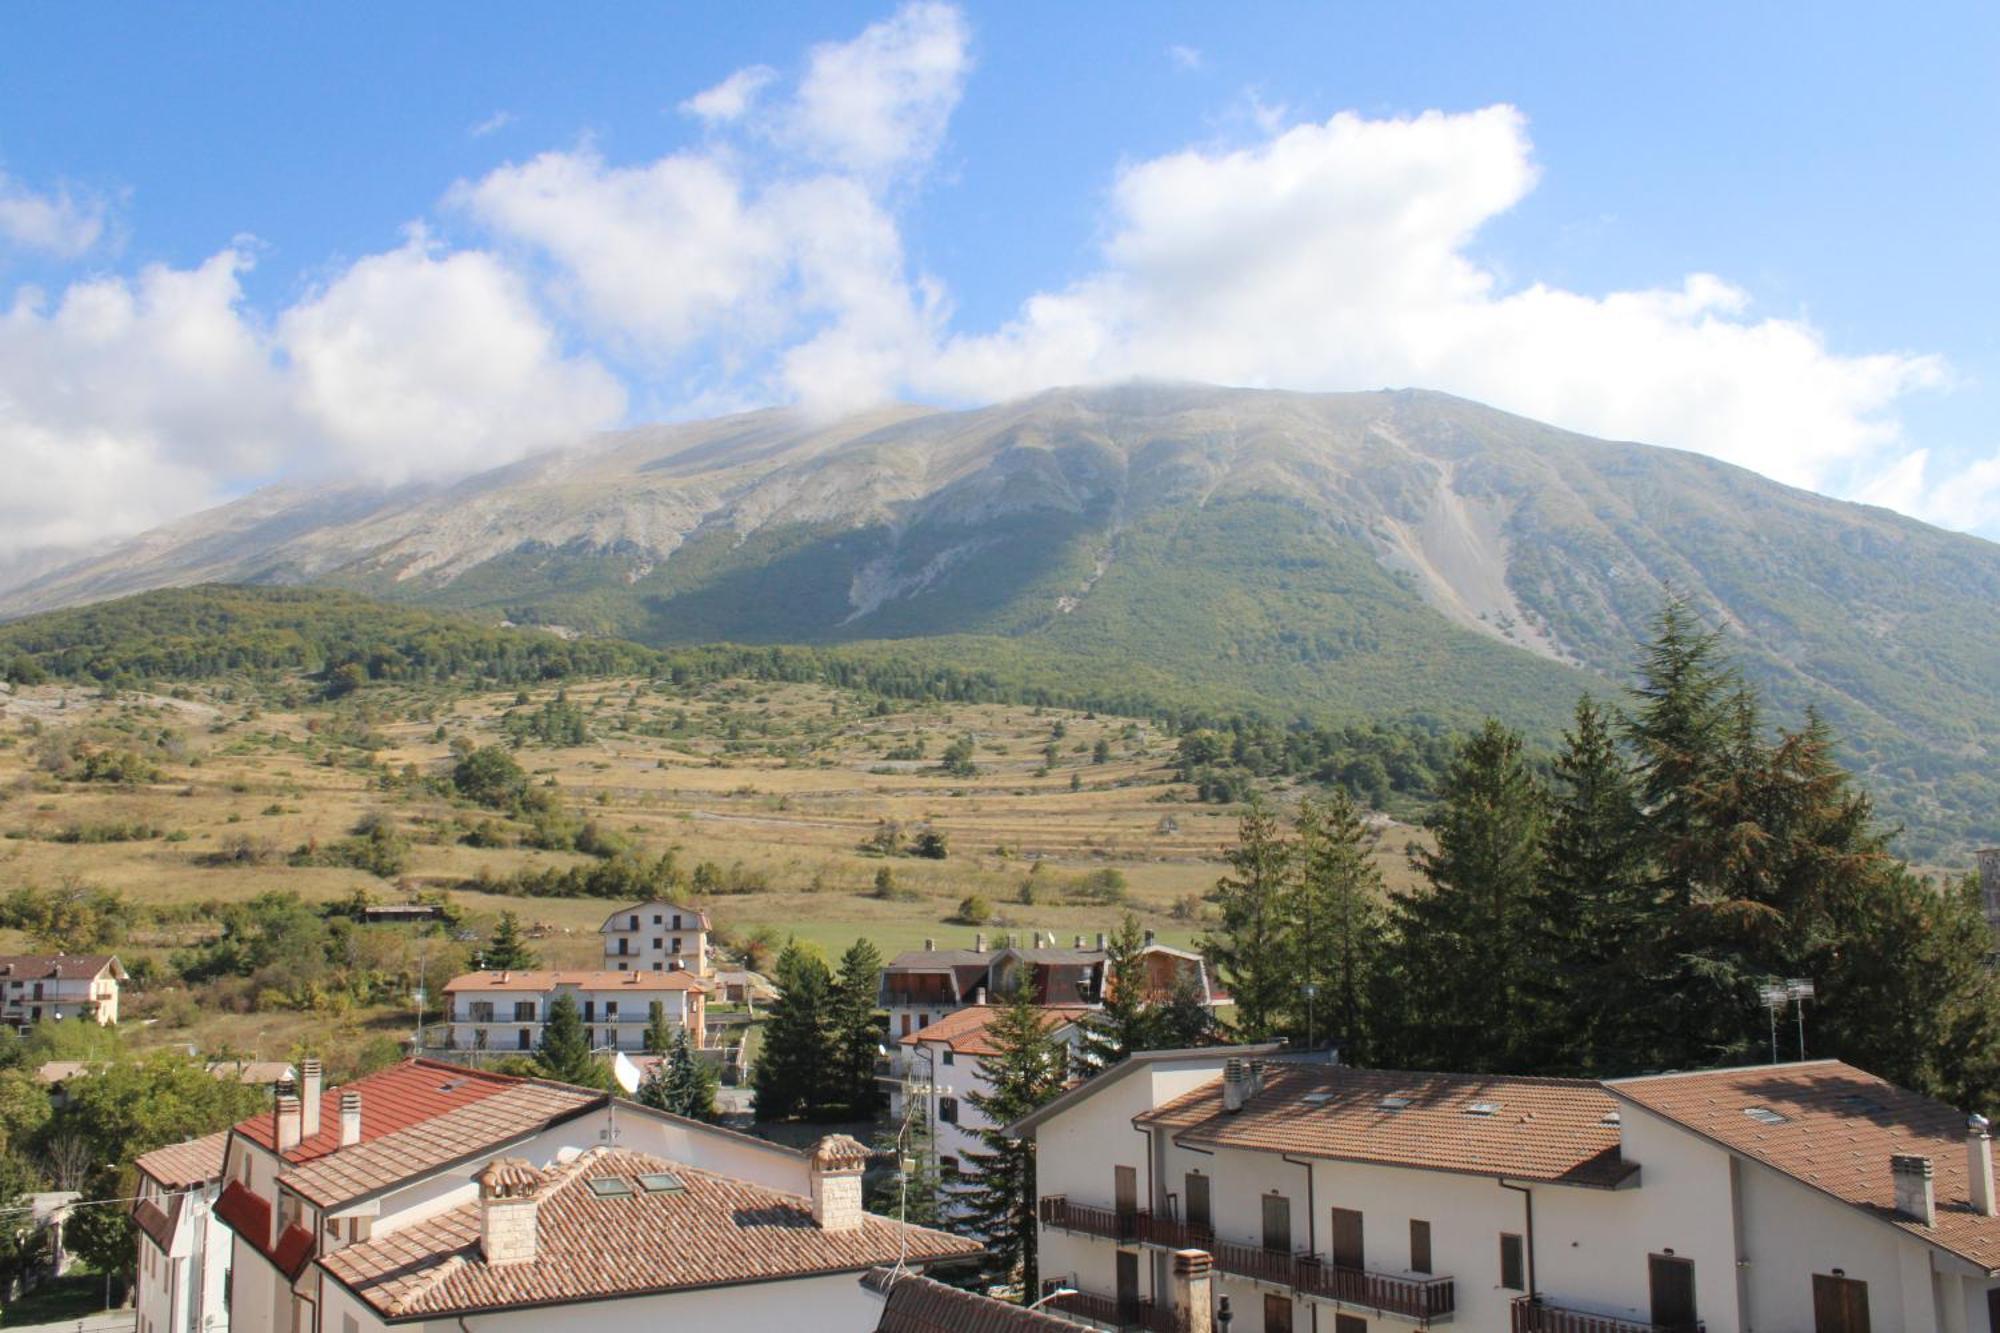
[(493, 124), (879, 104), (1184, 57), (62, 224), (731, 99)]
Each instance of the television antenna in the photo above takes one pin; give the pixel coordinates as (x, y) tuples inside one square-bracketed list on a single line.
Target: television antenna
[(1776, 995)]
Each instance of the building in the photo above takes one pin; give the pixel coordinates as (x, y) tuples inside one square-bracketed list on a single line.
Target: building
[(947, 1065), (923, 985), (656, 937), (40, 987), (183, 1248), (504, 1011), (446, 1199), (1805, 1196)]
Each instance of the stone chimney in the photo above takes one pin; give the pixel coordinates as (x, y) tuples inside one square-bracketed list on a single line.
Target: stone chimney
[(1233, 1085), (979, 942), (1979, 1165), (350, 1118), (1151, 936), (1916, 1198), (979, 995), (1103, 941), (288, 1118), (930, 945), (835, 1172), (312, 1080), (507, 1232), (1079, 941), (1193, 1310), (1254, 1080)]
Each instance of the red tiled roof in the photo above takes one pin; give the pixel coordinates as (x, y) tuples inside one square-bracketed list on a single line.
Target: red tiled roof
[(964, 1031), (1839, 1127), (600, 979), (394, 1099), (245, 1212), (1548, 1129), (713, 1232), (921, 1305), (294, 1251), (157, 1223), (180, 1165), (57, 966)]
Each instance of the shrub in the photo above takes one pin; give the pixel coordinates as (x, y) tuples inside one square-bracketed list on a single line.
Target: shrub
[(973, 910)]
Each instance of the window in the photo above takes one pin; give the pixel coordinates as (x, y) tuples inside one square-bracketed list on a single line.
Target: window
[(658, 943), (1513, 1263), (1277, 1314), (656, 918), (522, 1042), (1347, 1238), (623, 968), (1198, 1206), (608, 1187), (1349, 1323), (948, 1110), (610, 1009), (1420, 1246), (949, 1057), (524, 1011), (632, 923), (677, 944), (1840, 1304), (624, 946), (677, 920), (948, 1167)]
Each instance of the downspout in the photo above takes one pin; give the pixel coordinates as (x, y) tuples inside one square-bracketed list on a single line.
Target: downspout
[(1157, 1262), (1528, 1228), (1312, 1224)]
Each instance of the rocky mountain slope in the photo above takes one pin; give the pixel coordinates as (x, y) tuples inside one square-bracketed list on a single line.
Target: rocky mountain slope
[(1373, 553)]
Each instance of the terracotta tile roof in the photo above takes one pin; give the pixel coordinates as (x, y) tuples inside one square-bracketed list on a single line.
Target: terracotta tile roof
[(248, 1214), (394, 1099), (921, 1305), (157, 1223), (538, 982), (379, 1162), (181, 1165), (1547, 1129), (964, 1031), (1840, 1126), (713, 1232), (57, 966)]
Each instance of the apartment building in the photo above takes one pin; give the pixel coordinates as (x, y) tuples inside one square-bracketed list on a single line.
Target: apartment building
[(444, 1199), (948, 1066), (656, 937), (183, 1248), (37, 988), (505, 1011), (1791, 1197)]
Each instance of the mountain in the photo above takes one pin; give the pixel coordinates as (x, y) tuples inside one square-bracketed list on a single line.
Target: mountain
[(1368, 554)]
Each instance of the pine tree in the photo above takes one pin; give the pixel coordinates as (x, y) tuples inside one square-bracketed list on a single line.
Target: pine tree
[(1185, 1020), (1681, 716), (1337, 924), (659, 1032), (1466, 946), (564, 1054), (1248, 950), (794, 1068), (1125, 1023), (681, 1084), (858, 1032), (1026, 1070), (508, 950)]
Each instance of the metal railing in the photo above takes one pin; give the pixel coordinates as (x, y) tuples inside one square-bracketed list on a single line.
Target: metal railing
[(1111, 1312), (1534, 1314)]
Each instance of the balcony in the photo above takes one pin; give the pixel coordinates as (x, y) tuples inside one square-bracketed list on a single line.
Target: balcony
[(1534, 1314), (1423, 1300), (1109, 1312)]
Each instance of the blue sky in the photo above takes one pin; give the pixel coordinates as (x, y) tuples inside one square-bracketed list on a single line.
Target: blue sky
[(240, 244)]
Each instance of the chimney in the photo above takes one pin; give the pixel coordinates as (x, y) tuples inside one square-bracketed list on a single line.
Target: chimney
[(311, 1079), (507, 1211), (1232, 1085), (979, 995), (979, 942), (1101, 941), (1192, 1299), (930, 946), (1079, 941), (350, 1118), (835, 1172), (1150, 937), (1254, 1085), (287, 1118), (1979, 1161), (1916, 1198)]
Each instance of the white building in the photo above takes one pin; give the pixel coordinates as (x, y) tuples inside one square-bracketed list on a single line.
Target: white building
[(184, 1250), (1793, 1197), (945, 1065), (656, 937), (505, 1011), (458, 1201), (46, 987)]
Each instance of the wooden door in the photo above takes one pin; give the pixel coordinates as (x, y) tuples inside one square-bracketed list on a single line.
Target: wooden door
[(1347, 1238), (1126, 1190), (1671, 1281), (1278, 1224), (1840, 1304), (1128, 1282), (1277, 1314), (1993, 1310), (1420, 1246), (1199, 1212)]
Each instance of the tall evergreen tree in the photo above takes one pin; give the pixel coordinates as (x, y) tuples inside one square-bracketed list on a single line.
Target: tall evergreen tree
[(1026, 1070), (681, 1083), (659, 1037), (1185, 1020), (1248, 950), (508, 950), (1683, 708), (1337, 925), (1466, 947), (564, 1054), (795, 1066), (858, 1032), (1125, 1022)]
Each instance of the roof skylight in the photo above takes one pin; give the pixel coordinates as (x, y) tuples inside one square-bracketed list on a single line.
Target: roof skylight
[(661, 1182), (1395, 1102), (1764, 1115), (1317, 1098), (609, 1187), (1483, 1108)]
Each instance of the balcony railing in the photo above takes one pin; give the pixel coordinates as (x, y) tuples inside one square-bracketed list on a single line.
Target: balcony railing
[(1110, 1312), (1533, 1314), (1421, 1299)]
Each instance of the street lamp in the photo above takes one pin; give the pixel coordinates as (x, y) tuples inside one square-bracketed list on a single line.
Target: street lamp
[(1053, 1295)]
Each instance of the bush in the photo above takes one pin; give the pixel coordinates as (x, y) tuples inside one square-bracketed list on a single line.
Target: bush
[(490, 776), (931, 844), (973, 910)]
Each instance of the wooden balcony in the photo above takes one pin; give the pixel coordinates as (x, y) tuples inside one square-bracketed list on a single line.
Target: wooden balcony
[(1138, 1316), (1534, 1314)]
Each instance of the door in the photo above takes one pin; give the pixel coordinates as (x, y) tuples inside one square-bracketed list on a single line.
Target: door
[(1128, 1285), (1198, 1215), (1840, 1304), (1349, 1323), (1347, 1238), (1278, 1224), (1672, 1283), (1420, 1246), (1126, 1190), (1277, 1314), (1993, 1310)]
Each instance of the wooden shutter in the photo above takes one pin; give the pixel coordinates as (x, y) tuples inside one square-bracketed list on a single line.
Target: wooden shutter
[(1420, 1246), (1347, 1238), (1126, 1187), (1840, 1304), (1671, 1282), (1278, 1224), (1277, 1314), (1513, 1264), (1199, 1212)]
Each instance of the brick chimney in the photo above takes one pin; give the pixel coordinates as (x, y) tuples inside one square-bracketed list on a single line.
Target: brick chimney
[(1233, 1085), (507, 1211), (312, 1079), (1979, 1165), (350, 1118), (1192, 1295), (1916, 1199), (835, 1172), (287, 1118)]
